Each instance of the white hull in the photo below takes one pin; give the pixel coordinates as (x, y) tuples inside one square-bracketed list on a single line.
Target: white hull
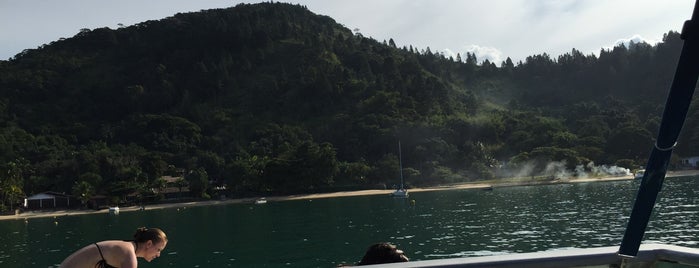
[(639, 174), (114, 210), (400, 193)]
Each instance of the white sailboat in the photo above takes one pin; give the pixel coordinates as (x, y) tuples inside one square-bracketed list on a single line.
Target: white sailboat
[(400, 192)]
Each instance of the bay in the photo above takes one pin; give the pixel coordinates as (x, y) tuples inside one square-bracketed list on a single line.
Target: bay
[(331, 231)]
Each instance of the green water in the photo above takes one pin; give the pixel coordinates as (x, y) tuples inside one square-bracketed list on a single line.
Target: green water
[(326, 232)]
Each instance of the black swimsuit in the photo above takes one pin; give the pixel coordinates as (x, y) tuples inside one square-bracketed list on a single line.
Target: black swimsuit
[(103, 263)]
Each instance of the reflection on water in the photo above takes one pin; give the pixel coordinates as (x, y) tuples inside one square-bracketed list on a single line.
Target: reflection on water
[(326, 232)]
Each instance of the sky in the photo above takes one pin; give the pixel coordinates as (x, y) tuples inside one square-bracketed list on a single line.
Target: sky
[(491, 29)]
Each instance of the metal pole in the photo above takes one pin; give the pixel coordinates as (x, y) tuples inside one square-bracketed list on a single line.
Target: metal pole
[(676, 108)]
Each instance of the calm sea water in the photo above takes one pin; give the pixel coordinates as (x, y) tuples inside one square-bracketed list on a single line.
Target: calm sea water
[(327, 232)]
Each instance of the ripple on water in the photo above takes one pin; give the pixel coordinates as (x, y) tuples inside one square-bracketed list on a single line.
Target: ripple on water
[(579, 231), (461, 210), (556, 219), (527, 232), (443, 238), (473, 253), (686, 243), (676, 213)]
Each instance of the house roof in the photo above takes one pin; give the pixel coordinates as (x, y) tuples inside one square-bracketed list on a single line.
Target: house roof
[(169, 190), (46, 195), (170, 179)]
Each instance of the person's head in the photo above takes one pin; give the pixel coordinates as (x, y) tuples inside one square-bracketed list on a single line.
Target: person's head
[(150, 242), (382, 253)]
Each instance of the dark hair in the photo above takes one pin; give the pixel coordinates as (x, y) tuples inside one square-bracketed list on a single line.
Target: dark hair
[(382, 253), (144, 234)]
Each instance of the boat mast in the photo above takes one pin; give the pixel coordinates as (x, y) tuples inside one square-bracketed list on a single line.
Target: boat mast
[(400, 165)]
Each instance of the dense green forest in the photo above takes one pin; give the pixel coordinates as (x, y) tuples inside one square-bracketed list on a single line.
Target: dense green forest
[(272, 99)]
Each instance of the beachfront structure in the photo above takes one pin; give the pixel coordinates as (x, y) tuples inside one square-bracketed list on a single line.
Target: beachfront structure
[(175, 188), (691, 161), (50, 200)]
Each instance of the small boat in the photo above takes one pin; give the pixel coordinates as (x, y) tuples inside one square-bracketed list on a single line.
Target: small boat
[(400, 192), (114, 210), (261, 201), (639, 174)]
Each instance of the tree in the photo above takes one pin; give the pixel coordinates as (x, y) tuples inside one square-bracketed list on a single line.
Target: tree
[(391, 43), (84, 191), (157, 186), (386, 170), (630, 142), (11, 183), (198, 181), (353, 172), (181, 183), (317, 163), (471, 59), (507, 64)]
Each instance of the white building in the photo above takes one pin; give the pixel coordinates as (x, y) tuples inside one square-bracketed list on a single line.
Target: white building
[(691, 161)]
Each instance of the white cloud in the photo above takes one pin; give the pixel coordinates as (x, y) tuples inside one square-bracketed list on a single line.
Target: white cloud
[(636, 38), (449, 53), (482, 53), (491, 54)]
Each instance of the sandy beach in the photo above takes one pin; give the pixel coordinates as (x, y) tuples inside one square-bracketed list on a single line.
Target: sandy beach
[(477, 185)]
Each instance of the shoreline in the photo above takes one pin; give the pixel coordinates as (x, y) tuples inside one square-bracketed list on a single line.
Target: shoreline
[(472, 185)]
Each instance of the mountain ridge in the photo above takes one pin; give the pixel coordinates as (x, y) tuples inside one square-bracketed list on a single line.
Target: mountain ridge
[(272, 98)]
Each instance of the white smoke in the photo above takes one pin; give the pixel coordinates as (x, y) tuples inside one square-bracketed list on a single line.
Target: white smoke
[(604, 170), (558, 170), (592, 170), (525, 170)]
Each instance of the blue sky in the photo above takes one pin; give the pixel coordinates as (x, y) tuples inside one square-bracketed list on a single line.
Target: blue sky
[(493, 29)]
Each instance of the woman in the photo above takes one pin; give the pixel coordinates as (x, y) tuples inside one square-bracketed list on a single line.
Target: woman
[(147, 244)]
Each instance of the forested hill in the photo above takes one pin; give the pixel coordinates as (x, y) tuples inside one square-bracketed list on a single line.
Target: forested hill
[(271, 98)]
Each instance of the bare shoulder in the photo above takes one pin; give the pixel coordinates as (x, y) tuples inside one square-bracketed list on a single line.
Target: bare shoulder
[(117, 247), (115, 252)]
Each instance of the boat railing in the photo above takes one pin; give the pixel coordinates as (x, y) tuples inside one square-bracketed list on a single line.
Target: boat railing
[(649, 255)]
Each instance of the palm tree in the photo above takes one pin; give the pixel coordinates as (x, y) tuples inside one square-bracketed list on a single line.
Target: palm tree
[(84, 190)]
